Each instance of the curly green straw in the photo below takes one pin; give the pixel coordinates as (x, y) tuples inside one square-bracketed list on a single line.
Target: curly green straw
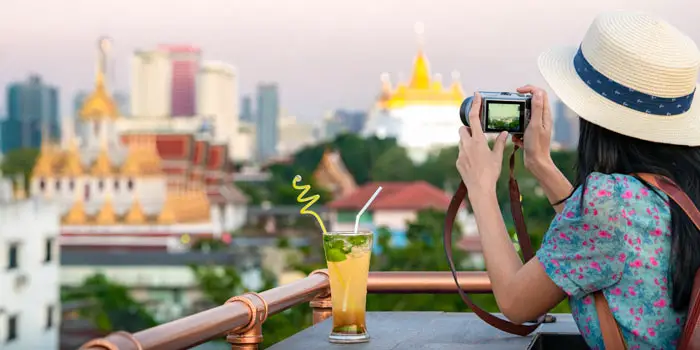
[(308, 200)]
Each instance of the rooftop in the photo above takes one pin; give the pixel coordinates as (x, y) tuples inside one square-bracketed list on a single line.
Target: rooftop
[(415, 195), (241, 317)]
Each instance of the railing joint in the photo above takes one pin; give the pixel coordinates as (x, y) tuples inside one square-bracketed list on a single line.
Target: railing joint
[(250, 336), (321, 303)]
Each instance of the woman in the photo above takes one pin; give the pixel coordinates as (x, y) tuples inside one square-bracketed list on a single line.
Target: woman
[(631, 82)]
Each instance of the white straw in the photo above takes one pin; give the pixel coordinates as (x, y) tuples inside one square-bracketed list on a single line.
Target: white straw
[(362, 211)]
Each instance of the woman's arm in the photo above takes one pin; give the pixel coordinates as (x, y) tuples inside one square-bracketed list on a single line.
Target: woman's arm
[(523, 292), (555, 185)]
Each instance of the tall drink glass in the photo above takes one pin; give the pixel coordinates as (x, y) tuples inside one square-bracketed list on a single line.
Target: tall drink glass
[(347, 256)]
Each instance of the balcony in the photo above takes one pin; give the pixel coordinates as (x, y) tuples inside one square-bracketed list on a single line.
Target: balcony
[(241, 317)]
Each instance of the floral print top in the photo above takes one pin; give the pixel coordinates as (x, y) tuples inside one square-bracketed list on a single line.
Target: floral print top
[(618, 242)]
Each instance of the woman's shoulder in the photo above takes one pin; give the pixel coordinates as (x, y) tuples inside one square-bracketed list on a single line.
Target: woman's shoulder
[(611, 193)]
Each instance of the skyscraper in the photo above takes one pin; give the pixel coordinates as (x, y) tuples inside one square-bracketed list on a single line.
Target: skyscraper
[(267, 115), (151, 77), (32, 105), (185, 62), (566, 126), (247, 109)]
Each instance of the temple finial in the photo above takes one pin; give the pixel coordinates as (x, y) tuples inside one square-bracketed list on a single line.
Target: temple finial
[(419, 28)]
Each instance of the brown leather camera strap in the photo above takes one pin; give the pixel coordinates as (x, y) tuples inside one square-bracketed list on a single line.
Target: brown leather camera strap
[(690, 338), (523, 240)]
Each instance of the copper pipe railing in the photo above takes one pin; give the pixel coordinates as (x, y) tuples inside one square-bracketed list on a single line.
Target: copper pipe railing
[(241, 317)]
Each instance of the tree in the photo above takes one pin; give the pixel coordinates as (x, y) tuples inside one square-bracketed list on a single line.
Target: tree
[(19, 161), (112, 307), (393, 165)]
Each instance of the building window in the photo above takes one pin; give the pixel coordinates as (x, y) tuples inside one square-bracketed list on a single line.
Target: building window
[(116, 185), (12, 328), (42, 184), (130, 185), (48, 256), (58, 185), (49, 316), (13, 256), (71, 184), (101, 185)]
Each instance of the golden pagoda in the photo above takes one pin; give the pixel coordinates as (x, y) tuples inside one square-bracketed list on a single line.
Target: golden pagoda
[(132, 164), (106, 215), (99, 104), (76, 214), (422, 88), (167, 213), (44, 164), (71, 166), (102, 166), (135, 215)]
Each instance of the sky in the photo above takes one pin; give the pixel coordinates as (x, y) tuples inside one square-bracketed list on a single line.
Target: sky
[(324, 54)]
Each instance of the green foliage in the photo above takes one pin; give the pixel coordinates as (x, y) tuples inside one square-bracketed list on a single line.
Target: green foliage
[(111, 306), (19, 161)]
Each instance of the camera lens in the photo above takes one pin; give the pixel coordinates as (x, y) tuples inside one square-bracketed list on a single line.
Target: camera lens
[(464, 110)]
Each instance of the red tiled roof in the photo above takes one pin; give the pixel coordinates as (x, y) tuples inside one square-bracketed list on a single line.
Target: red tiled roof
[(416, 195)]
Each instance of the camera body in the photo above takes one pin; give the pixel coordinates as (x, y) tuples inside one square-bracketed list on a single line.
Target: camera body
[(500, 111)]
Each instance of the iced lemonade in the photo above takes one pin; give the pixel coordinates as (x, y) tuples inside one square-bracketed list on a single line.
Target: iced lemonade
[(348, 255)]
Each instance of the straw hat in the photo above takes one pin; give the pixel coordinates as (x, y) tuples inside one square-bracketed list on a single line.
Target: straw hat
[(633, 74)]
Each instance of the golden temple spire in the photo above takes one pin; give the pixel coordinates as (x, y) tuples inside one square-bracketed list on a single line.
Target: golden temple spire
[(420, 77), (76, 214), (135, 215), (132, 164), (44, 165), (456, 86), (71, 165), (102, 166), (167, 212), (151, 161), (99, 104), (106, 215)]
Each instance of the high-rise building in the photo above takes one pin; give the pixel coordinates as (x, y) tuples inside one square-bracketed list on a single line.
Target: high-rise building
[(32, 106), (151, 77), (217, 92), (164, 82), (185, 61), (267, 115), (352, 121), (566, 126), (78, 101), (247, 114)]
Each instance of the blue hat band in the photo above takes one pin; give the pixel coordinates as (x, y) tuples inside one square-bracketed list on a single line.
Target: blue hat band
[(626, 96)]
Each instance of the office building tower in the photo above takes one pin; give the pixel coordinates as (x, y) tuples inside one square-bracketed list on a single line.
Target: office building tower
[(217, 91), (185, 62), (122, 100), (150, 95), (247, 109), (566, 126), (352, 121), (267, 115), (32, 106)]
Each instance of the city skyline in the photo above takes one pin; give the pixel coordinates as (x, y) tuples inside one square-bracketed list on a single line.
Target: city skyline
[(305, 46)]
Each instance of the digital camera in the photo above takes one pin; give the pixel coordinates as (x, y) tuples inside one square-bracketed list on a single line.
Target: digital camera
[(500, 111)]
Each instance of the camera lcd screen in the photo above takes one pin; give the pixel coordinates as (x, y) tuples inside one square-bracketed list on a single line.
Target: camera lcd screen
[(504, 116)]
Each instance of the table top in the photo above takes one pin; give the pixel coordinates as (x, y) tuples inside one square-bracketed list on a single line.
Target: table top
[(424, 330)]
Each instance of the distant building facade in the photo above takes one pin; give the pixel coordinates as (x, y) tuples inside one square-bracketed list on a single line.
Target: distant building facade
[(267, 116), (247, 113), (185, 61), (29, 281), (32, 107), (566, 126)]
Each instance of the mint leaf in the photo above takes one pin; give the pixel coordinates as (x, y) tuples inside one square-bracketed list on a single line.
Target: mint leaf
[(335, 255), (357, 240)]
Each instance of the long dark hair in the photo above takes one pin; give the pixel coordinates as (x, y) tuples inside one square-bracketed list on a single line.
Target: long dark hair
[(605, 151)]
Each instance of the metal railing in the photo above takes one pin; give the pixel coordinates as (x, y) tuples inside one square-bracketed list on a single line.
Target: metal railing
[(241, 317)]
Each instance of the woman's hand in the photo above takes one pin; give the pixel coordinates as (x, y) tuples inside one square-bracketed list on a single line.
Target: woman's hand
[(537, 139), (478, 165)]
